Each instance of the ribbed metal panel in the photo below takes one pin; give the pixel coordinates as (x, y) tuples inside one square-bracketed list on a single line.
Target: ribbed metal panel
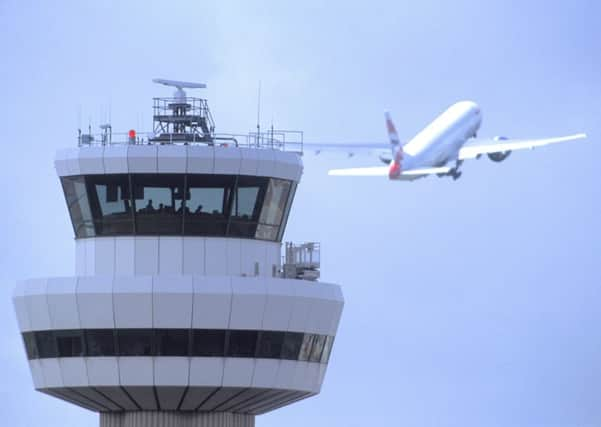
[(175, 419)]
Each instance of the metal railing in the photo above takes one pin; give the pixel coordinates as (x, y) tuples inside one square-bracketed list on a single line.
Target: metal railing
[(282, 140), (171, 111), (302, 261)]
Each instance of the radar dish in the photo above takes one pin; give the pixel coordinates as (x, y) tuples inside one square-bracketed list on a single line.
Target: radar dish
[(180, 85)]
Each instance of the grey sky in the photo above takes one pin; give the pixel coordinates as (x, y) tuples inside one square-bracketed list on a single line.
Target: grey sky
[(469, 303)]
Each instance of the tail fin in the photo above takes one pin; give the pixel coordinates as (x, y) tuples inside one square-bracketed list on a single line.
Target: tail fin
[(392, 134), (396, 164)]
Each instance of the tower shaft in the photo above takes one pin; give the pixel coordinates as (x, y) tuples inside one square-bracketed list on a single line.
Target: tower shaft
[(175, 419)]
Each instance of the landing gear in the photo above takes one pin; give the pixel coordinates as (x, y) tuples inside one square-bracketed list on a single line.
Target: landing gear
[(455, 173)]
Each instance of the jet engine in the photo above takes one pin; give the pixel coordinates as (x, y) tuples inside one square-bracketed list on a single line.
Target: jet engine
[(386, 159), (501, 155)]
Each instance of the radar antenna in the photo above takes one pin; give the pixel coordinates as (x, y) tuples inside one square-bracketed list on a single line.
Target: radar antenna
[(179, 93), (181, 118)]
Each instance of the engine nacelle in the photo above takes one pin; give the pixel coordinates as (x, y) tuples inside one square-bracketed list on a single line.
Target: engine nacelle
[(386, 159), (502, 155)]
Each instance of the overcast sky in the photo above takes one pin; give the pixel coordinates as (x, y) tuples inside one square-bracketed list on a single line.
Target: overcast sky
[(468, 303)]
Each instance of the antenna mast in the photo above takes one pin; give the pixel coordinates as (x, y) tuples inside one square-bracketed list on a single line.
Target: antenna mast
[(259, 114)]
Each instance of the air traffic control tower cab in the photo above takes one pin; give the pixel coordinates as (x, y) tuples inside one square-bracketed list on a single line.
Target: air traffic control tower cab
[(181, 311)]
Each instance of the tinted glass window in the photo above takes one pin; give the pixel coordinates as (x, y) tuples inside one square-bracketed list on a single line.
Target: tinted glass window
[(208, 342), (242, 343), (291, 194), (292, 345), (158, 203), (69, 343), (46, 344), (319, 342), (135, 342), (171, 342), (270, 344), (110, 200), (245, 198), (305, 349), (273, 209), (275, 202), (327, 349), (176, 342), (207, 204), (77, 203), (246, 205), (178, 204), (267, 232), (100, 342), (30, 346)]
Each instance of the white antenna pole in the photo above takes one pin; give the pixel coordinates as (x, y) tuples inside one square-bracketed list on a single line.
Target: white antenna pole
[(258, 113), (272, 131)]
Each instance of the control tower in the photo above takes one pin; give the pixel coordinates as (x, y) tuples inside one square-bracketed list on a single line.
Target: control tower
[(182, 310)]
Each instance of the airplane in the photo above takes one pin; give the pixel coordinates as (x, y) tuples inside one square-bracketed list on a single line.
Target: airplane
[(440, 148)]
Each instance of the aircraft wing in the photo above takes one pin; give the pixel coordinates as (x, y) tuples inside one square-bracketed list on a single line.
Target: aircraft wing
[(350, 149), (477, 147), (384, 170)]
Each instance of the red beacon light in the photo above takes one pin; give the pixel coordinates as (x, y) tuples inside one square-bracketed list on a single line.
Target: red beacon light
[(132, 136)]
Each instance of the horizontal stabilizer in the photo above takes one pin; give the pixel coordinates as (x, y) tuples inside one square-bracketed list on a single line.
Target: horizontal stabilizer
[(372, 171), (426, 171)]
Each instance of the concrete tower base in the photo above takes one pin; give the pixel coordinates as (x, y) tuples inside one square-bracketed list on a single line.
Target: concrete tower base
[(175, 419)]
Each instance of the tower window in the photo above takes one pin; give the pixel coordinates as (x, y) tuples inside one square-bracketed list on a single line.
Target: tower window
[(69, 343), (46, 344), (171, 342), (242, 343), (76, 197), (270, 344), (208, 342), (158, 201), (100, 342), (178, 342), (135, 342), (111, 204), (292, 345), (243, 206)]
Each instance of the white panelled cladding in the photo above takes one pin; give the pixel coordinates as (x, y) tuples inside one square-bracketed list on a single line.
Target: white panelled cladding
[(201, 159), (167, 255), (177, 301)]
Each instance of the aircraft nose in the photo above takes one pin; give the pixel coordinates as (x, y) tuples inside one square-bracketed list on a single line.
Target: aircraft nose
[(470, 106)]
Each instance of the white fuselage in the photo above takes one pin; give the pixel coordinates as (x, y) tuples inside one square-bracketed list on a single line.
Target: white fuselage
[(440, 141)]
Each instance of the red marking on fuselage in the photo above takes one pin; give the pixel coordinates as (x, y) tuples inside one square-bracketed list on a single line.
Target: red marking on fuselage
[(395, 166)]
